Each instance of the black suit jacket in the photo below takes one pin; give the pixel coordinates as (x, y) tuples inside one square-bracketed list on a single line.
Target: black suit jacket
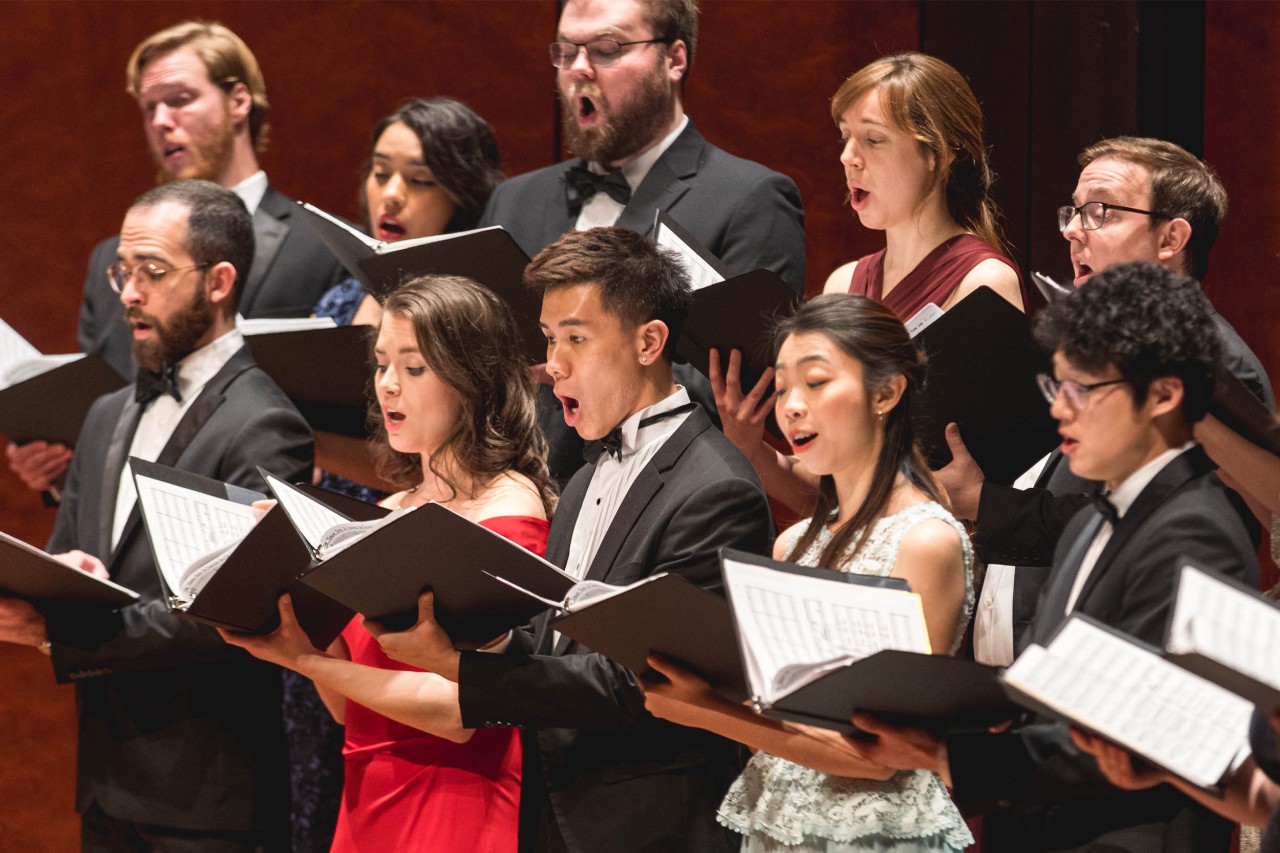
[(1185, 513), (745, 214), (176, 728), (617, 778), (291, 270), (1021, 527)]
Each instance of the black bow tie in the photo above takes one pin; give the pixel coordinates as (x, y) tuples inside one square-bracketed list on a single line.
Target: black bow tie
[(154, 383), (580, 184), (611, 443), (1106, 508)]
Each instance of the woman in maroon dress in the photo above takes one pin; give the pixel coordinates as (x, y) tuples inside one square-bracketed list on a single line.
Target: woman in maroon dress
[(457, 427), (915, 166)]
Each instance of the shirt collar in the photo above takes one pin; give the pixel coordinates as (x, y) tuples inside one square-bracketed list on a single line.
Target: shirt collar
[(1123, 495), (251, 190), (638, 169), (634, 438), (203, 364)]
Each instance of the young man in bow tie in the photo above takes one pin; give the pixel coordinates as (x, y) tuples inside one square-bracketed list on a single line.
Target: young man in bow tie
[(181, 743), (1134, 357), (664, 492)]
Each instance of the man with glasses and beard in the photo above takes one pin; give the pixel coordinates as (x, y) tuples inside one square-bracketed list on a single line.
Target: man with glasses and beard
[(181, 741), (620, 71)]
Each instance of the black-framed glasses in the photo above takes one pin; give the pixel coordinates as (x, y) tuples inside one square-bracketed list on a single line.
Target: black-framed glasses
[(1094, 213), (148, 272), (1076, 393), (601, 53)]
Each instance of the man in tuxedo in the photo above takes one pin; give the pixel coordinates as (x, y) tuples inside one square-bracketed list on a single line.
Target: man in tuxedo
[(664, 492), (181, 744), (1134, 357), (621, 66), (1136, 199), (204, 106)]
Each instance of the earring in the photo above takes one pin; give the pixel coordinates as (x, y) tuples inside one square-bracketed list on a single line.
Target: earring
[(644, 359)]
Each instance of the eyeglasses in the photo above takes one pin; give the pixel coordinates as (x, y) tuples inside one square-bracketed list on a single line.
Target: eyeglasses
[(601, 53), (148, 271), (1094, 213), (1076, 393)]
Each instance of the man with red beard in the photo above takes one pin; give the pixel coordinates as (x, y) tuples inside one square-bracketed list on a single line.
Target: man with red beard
[(620, 70), (204, 105), (181, 745)]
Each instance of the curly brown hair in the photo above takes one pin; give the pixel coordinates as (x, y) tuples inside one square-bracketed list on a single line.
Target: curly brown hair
[(469, 338)]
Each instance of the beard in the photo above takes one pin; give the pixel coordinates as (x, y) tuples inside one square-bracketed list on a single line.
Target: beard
[(628, 129), (176, 339), (209, 153)]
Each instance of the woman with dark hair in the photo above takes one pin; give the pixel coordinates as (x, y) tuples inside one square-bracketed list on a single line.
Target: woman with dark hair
[(915, 165), (847, 376), (457, 426), (432, 165)]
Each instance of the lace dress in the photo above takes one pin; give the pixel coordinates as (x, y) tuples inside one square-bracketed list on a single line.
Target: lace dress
[(781, 806)]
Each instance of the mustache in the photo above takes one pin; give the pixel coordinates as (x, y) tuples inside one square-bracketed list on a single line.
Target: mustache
[(135, 313)]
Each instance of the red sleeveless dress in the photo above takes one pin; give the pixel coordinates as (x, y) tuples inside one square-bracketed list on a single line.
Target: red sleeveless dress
[(933, 280), (406, 790)]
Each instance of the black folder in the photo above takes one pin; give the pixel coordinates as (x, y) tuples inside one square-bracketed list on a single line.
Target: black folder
[(29, 573), (243, 595), (488, 255), (434, 548), (1236, 406), (1049, 289), (52, 406), (981, 374), (327, 373), (668, 616)]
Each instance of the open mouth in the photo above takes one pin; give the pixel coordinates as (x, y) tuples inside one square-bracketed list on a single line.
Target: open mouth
[(1069, 445), (571, 405), (390, 227), (172, 150), (1083, 271), (802, 439)]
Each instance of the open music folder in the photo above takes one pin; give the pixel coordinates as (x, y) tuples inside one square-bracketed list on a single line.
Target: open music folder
[(326, 372), (33, 575), (46, 397), (728, 312), (380, 569), (1236, 406), (1227, 633), (819, 645), (981, 374), (1099, 680), (488, 255), (225, 563)]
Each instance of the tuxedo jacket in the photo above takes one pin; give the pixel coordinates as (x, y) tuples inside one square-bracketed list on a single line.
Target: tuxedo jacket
[(176, 728), (291, 270), (748, 216), (1021, 527), (616, 778), (1184, 514)]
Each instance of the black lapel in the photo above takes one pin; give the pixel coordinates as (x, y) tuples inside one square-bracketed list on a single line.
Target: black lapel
[(1184, 468), (1053, 610), (113, 467), (665, 183), (270, 228)]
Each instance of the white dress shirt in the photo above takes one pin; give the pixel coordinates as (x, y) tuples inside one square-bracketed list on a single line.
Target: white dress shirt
[(251, 190), (1122, 497), (601, 210), (163, 414)]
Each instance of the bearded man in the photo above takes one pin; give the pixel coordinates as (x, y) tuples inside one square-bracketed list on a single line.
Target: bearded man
[(620, 71), (181, 742)]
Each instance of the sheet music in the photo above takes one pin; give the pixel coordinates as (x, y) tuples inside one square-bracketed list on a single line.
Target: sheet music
[(311, 517), (186, 525), (272, 325), (923, 319), (1214, 619), (20, 361), (786, 620), (1137, 699), (701, 274), (433, 238)]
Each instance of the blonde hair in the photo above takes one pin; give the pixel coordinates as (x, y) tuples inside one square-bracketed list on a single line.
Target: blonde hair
[(225, 56)]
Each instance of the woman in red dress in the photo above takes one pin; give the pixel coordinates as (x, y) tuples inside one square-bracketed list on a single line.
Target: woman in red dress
[(457, 427)]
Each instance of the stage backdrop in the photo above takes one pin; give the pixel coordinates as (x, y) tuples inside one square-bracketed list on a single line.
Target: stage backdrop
[(1052, 78)]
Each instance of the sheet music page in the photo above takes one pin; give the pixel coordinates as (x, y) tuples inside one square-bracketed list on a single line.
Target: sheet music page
[(186, 525), (33, 367), (272, 325), (923, 319), (344, 534), (15, 350), (787, 619), (701, 274), (433, 238), (1214, 619), (311, 517), (1137, 699), (371, 243)]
